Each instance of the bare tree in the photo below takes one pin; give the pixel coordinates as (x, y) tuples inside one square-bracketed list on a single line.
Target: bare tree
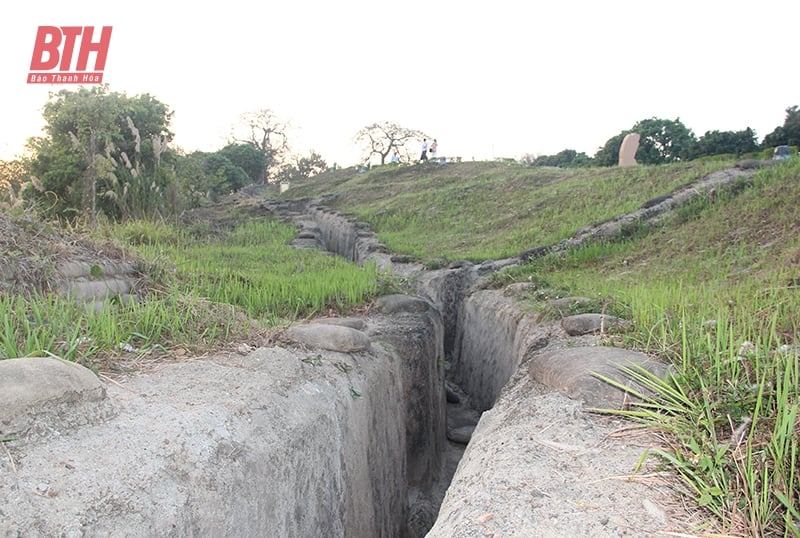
[(267, 133), (384, 137)]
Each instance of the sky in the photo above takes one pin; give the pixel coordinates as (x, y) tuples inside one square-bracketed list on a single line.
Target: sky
[(486, 79)]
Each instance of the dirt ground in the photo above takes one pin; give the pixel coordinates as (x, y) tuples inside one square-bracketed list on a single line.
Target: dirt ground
[(538, 465)]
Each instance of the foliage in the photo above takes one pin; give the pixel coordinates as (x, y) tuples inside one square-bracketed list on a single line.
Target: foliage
[(247, 157), (264, 131), (564, 159), (661, 141), (94, 140), (14, 179), (787, 134), (382, 138), (226, 176), (463, 211), (608, 155), (303, 168), (726, 142)]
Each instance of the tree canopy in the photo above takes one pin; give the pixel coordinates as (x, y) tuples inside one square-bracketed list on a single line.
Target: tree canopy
[(265, 132), (727, 142), (100, 151), (787, 134), (661, 141)]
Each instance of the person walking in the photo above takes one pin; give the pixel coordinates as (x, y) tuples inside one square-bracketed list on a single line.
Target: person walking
[(424, 156), (433, 148)]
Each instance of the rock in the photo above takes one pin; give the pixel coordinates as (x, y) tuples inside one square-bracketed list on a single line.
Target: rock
[(627, 150), (533, 253), (330, 337), (461, 435), (39, 389), (567, 305), (572, 372), (391, 304), (451, 395), (581, 324), (353, 323), (520, 289), (653, 510)]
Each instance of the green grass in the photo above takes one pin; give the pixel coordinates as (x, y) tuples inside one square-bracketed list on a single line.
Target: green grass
[(204, 293), (254, 268), (715, 292), (481, 211)]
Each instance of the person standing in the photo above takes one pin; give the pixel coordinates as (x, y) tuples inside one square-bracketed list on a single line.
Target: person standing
[(434, 147), (424, 156)]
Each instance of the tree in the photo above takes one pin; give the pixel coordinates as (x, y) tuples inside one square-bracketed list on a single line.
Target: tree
[(229, 177), (247, 157), (14, 177), (661, 141), (608, 155), (99, 149), (788, 134), (726, 142), (303, 168), (266, 133), (568, 158), (382, 138)]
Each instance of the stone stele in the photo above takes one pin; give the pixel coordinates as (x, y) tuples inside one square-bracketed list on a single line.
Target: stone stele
[(627, 151)]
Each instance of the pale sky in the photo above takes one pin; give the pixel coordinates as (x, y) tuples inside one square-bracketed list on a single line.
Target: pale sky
[(487, 79)]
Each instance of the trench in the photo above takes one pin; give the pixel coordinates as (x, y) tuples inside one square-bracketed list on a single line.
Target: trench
[(485, 336), (277, 443), (478, 343)]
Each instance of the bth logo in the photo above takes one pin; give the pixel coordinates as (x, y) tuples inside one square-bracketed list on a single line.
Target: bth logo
[(54, 52)]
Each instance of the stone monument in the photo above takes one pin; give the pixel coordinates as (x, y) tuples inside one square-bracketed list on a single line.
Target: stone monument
[(627, 151)]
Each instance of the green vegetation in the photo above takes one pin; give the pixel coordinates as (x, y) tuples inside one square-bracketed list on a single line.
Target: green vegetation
[(482, 211), (206, 293), (715, 292), (253, 268)]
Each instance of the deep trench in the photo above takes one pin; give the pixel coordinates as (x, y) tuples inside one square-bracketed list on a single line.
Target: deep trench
[(330, 231), (478, 333)]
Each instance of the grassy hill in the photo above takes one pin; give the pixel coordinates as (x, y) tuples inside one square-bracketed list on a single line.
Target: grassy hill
[(715, 291), (483, 211)]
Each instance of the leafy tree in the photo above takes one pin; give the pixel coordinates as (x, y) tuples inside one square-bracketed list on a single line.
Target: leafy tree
[(228, 176), (664, 141), (194, 186), (96, 157), (311, 165), (724, 142), (787, 134), (303, 168), (661, 141), (383, 138), (248, 158), (608, 155), (14, 177), (568, 158), (266, 133)]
